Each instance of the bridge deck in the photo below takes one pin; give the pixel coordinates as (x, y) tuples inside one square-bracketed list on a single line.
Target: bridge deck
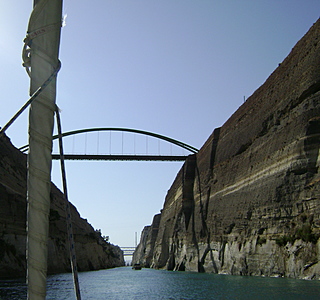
[(117, 157), (128, 251)]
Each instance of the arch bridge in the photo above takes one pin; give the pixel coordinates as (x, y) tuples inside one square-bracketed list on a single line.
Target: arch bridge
[(121, 156)]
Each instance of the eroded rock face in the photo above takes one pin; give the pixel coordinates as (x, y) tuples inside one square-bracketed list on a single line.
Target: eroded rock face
[(248, 202), (144, 252), (92, 251)]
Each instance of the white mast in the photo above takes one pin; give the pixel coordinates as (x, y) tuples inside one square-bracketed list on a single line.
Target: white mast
[(41, 60)]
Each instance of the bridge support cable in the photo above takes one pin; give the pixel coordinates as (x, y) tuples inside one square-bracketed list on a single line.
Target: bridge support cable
[(68, 211)]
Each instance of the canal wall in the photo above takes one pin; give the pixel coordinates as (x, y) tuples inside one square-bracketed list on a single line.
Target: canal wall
[(249, 202), (93, 252)]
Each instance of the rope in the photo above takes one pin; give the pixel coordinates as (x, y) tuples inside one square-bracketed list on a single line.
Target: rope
[(68, 212), (31, 99), (27, 64), (26, 57)]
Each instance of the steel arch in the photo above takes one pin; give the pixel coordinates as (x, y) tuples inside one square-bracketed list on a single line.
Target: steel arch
[(143, 132)]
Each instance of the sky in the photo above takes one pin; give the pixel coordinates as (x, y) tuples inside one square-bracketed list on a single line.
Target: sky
[(179, 68)]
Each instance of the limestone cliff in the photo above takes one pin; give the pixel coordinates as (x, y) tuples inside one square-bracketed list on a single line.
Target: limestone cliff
[(144, 251), (93, 252), (248, 203)]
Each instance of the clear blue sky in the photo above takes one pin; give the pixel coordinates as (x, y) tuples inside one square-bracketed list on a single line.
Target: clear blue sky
[(175, 67)]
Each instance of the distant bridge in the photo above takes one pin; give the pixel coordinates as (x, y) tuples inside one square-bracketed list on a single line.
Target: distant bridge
[(122, 156), (128, 251)]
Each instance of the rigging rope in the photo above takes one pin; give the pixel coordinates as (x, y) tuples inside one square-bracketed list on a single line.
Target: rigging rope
[(32, 98), (27, 64), (68, 212)]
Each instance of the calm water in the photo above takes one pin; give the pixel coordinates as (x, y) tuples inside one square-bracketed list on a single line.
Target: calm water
[(125, 283)]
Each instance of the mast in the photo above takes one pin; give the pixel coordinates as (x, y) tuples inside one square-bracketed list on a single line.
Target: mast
[(41, 60)]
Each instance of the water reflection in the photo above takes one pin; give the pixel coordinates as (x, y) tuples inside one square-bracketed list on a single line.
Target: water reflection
[(15, 289)]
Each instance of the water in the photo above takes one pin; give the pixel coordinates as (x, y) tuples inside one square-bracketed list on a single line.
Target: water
[(125, 283)]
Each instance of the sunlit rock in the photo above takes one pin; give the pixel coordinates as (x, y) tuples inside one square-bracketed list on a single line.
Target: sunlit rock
[(248, 202)]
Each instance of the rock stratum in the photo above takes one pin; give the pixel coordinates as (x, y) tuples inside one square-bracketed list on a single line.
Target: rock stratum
[(248, 202), (92, 251)]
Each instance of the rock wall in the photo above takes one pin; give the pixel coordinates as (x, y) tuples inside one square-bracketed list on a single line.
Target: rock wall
[(144, 251), (92, 251), (248, 203)]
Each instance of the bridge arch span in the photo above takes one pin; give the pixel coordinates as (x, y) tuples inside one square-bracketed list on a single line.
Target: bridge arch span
[(142, 132)]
